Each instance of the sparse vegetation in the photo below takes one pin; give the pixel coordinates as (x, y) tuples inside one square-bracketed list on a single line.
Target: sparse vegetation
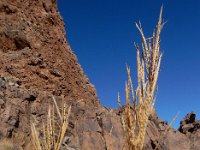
[(6, 144), (136, 114), (12, 143), (50, 139), (9, 144)]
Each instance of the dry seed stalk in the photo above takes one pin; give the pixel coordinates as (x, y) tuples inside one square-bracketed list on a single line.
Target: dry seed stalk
[(148, 66), (49, 140)]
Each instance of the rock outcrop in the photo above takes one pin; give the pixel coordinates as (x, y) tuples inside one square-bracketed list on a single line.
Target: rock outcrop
[(37, 63), (34, 49)]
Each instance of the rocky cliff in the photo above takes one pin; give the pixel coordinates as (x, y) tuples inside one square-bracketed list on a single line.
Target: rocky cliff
[(37, 63)]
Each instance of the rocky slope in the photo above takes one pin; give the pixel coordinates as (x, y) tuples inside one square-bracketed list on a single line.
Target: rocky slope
[(37, 62)]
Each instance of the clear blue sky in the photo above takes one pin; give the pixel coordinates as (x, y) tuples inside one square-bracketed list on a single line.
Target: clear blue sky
[(101, 33)]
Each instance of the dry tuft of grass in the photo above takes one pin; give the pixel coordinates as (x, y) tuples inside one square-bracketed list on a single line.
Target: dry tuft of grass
[(6, 144), (13, 143), (50, 139), (136, 113)]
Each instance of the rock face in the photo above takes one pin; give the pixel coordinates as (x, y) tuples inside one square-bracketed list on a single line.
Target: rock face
[(34, 49), (37, 63)]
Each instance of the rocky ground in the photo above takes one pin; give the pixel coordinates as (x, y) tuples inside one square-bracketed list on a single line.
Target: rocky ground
[(37, 63)]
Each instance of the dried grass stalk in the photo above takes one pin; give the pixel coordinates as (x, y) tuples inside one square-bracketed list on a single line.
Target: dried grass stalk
[(49, 140), (135, 116)]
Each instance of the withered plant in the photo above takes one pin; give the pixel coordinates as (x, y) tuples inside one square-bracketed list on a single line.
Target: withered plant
[(140, 102), (51, 139)]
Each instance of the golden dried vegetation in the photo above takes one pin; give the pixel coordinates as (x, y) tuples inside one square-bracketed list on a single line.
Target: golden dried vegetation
[(51, 138), (140, 102)]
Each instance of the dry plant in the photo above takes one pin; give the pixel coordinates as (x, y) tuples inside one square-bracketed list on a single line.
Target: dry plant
[(163, 135), (136, 114), (107, 142), (171, 123), (50, 139), (12, 143), (7, 144)]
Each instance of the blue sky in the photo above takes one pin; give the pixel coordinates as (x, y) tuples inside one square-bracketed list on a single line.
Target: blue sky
[(102, 33)]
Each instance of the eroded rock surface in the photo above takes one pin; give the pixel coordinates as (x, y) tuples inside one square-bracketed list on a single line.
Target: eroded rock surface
[(34, 49)]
